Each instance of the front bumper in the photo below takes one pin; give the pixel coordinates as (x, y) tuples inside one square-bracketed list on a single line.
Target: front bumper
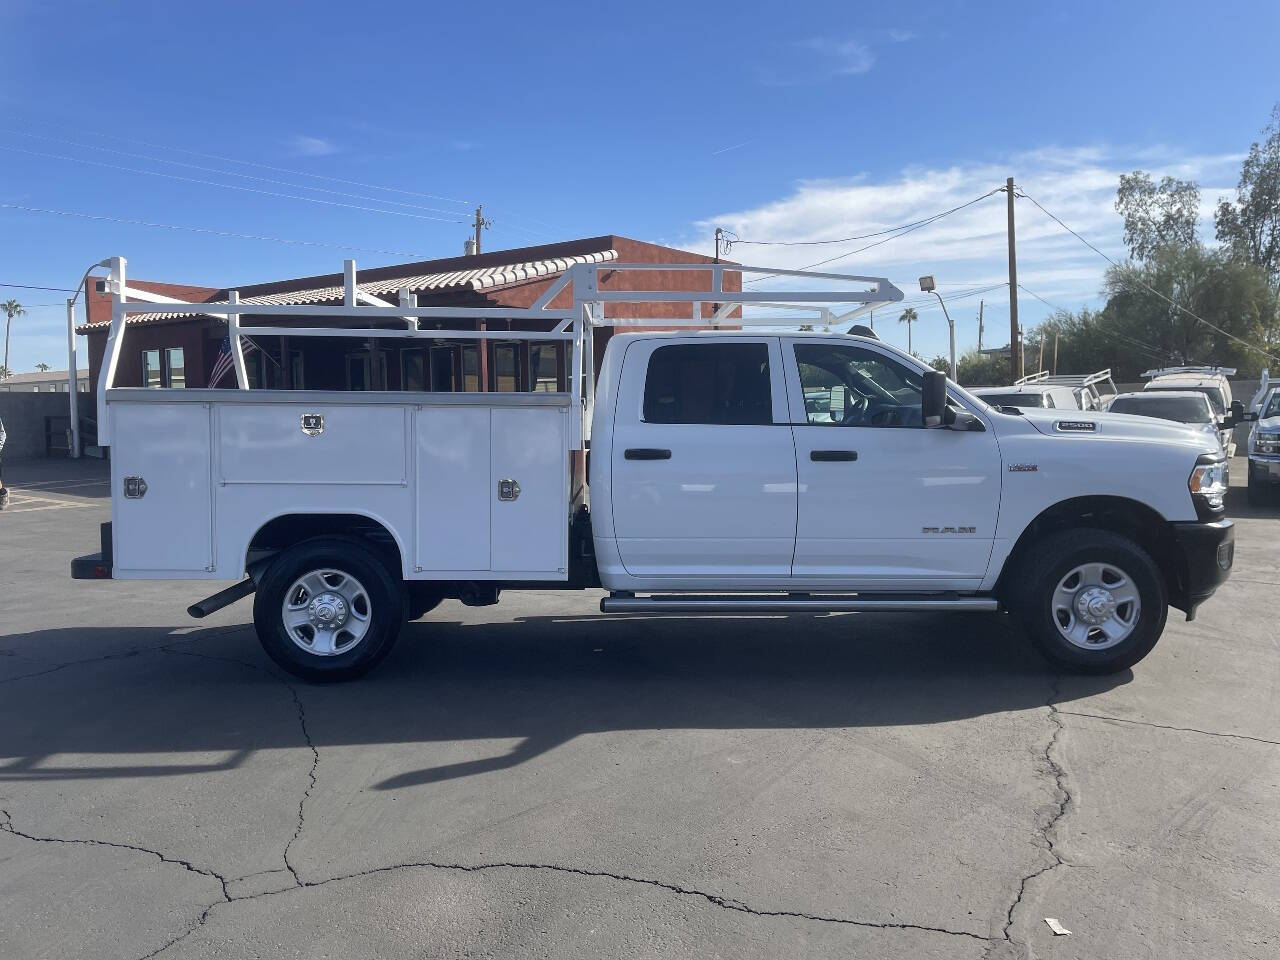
[(1264, 469), (1205, 554)]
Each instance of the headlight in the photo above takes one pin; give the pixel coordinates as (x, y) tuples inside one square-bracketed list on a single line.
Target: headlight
[(1208, 486), (1267, 443)]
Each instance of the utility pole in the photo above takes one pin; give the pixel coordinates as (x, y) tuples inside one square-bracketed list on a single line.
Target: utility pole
[(1055, 353), (1040, 365), (719, 234), (480, 224), (981, 304), (1015, 354)]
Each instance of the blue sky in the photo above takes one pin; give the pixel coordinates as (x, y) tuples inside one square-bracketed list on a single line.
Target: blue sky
[(657, 121)]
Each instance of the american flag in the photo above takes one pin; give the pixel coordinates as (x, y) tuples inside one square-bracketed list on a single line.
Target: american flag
[(225, 360)]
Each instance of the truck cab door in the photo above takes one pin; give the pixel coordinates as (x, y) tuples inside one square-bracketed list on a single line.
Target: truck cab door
[(703, 468), (884, 502)]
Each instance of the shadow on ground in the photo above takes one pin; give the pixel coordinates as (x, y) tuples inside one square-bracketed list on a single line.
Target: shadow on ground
[(542, 680)]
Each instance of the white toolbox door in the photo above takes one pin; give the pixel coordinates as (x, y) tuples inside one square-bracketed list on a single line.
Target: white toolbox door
[(168, 528), (530, 529), (453, 489)]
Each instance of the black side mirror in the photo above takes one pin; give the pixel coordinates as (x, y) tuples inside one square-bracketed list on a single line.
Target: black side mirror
[(1234, 415), (933, 399)]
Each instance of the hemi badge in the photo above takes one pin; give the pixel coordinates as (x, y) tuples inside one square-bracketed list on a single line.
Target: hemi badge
[(1078, 426), (1023, 467)]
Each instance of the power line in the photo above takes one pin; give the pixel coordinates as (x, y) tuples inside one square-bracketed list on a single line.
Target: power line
[(228, 186), (1144, 284), (27, 286), (1115, 335), (862, 236), (208, 230), (910, 228), (232, 173), (267, 166)]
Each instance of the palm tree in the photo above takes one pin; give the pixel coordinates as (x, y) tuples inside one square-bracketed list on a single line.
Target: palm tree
[(11, 308), (909, 316), (42, 367)]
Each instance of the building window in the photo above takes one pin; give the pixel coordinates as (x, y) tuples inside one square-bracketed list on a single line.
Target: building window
[(544, 367), (152, 375), (505, 374), (358, 371), (174, 367), (413, 372), (296, 377), (444, 368), (471, 368)]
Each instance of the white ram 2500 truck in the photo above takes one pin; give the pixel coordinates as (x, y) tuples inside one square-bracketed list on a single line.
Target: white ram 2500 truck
[(751, 470)]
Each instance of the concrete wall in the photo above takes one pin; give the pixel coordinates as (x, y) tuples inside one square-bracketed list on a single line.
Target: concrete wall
[(23, 415)]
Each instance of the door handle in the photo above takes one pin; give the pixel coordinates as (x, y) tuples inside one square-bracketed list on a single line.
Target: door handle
[(833, 456), (646, 453)]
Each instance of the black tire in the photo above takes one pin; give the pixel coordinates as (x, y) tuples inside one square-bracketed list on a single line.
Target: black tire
[(382, 601), (1045, 565), (424, 597)]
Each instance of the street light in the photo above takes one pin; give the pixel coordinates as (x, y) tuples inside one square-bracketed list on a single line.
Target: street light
[(928, 286)]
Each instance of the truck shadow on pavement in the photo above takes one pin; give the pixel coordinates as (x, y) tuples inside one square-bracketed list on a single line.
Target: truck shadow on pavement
[(542, 680)]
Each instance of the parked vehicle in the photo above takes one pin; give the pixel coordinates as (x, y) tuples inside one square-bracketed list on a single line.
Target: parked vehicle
[(1264, 449), (715, 484), (1181, 406), (1211, 381), (1031, 395), (1090, 391)]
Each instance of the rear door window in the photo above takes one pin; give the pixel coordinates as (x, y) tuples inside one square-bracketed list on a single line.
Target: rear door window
[(716, 383)]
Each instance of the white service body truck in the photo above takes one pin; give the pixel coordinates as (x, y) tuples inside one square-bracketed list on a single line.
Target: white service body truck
[(704, 471)]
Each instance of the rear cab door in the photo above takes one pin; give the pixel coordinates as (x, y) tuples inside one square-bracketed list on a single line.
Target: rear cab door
[(703, 469)]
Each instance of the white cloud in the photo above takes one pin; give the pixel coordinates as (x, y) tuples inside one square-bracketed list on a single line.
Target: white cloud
[(304, 146), (968, 248), (842, 58)]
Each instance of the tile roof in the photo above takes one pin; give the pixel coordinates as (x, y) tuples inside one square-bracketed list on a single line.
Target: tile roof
[(475, 280)]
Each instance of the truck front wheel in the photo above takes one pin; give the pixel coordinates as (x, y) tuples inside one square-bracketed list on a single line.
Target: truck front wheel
[(1092, 601), (328, 609)]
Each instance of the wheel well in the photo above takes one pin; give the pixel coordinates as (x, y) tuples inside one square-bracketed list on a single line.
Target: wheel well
[(281, 533), (1119, 515)]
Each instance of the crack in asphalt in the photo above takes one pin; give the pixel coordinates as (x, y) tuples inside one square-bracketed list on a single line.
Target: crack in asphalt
[(1048, 835), (8, 827), (1163, 726), (306, 735), (726, 903)]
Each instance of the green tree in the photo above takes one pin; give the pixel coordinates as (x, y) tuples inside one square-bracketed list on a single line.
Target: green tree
[(978, 369), (42, 367), (941, 363), (1157, 215), (1138, 328), (909, 316), (11, 308), (1249, 226)]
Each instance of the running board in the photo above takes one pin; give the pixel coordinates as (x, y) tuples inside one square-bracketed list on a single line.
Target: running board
[(795, 603)]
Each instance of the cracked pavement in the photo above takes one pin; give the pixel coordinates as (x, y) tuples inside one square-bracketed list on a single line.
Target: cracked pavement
[(534, 780)]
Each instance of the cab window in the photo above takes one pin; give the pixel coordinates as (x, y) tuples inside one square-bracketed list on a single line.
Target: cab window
[(717, 383), (855, 387)]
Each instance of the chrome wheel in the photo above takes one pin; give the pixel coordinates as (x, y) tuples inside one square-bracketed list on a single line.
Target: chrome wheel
[(1096, 606), (326, 612)]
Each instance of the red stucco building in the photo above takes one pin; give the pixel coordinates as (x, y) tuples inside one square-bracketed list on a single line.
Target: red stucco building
[(181, 350)]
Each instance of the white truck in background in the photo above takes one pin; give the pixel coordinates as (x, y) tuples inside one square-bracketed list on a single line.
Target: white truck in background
[(747, 470)]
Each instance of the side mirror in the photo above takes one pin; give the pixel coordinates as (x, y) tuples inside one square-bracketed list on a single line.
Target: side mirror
[(933, 398)]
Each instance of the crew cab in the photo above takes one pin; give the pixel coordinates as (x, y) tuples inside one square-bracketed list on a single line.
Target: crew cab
[(703, 471)]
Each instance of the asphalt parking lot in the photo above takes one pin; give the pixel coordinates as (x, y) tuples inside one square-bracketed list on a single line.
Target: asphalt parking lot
[(534, 780)]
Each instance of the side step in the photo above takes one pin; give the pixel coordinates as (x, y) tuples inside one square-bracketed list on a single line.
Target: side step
[(797, 603)]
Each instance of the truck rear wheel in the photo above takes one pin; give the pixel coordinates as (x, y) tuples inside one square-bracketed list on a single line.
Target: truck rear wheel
[(1092, 601), (328, 609)]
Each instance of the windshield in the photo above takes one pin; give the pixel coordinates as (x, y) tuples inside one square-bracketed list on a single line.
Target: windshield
[(1181, 409), (1272, 408), (1213, 393), (1014, 399)]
